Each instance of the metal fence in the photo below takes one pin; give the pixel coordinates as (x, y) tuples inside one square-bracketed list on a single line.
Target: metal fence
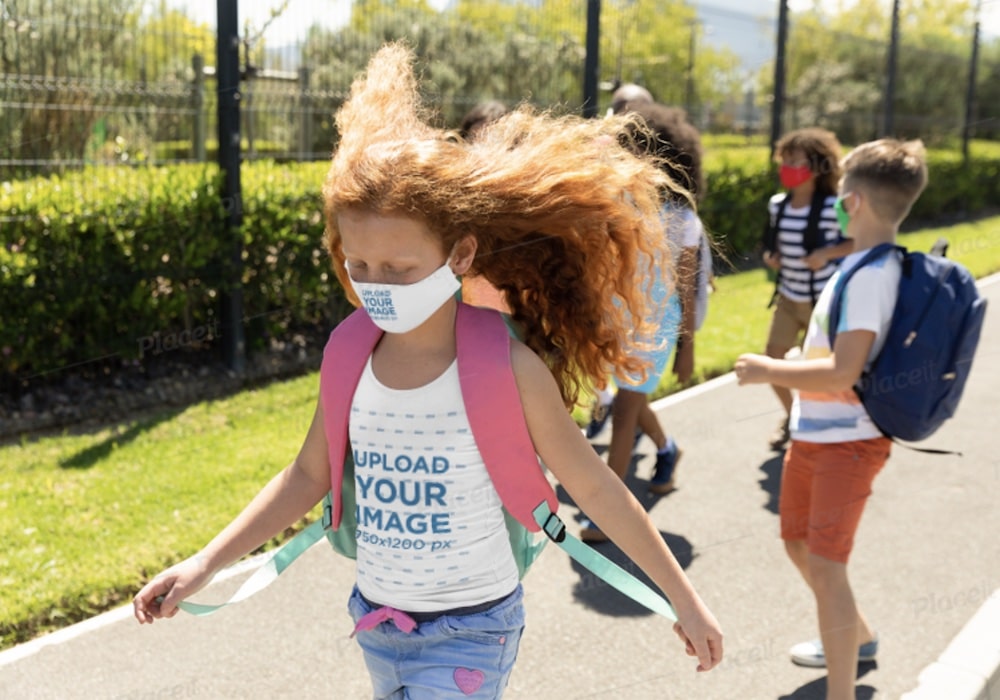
[(132, 81)]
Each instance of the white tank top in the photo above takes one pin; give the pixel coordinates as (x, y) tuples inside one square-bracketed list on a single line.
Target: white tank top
[(431, 531)]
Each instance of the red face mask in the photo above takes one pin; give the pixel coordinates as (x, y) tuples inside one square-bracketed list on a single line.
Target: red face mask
[(794, 175)]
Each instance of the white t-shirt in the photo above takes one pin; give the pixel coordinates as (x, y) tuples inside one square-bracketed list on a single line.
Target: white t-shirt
[(868, 303), (431, 532), (686, 230)]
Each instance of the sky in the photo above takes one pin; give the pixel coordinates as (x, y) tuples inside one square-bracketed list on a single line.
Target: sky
[(290, 27)]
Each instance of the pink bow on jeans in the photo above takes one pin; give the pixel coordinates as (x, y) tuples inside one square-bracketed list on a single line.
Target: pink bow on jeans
[(376, 617)]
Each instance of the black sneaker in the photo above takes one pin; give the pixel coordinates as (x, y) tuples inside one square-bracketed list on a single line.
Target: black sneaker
[(590, 533), (781, 436), (599, 415), (663, 471)]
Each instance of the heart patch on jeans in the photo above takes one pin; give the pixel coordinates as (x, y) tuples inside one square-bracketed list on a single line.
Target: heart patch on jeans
[(468, 680)]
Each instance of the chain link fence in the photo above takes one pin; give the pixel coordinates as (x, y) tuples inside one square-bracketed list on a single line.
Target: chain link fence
[(130, 82)]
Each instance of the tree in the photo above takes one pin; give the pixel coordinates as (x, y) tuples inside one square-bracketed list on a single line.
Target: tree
[(661, 46), (462, 57), (986, 117), (59, 49), (853, 44), (99, 77)]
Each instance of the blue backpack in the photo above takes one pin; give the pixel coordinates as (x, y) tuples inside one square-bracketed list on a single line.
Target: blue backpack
[(916, 381)]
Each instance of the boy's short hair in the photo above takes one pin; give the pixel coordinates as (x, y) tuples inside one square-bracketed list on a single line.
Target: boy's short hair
[(821, 148), (893, 172)]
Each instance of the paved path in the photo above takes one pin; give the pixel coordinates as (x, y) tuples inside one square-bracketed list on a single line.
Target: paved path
[(927, 556)]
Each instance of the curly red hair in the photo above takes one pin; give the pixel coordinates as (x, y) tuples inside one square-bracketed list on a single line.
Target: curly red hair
[(567, 222)]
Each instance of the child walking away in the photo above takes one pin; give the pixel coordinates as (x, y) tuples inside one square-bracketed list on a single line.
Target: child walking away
[(554, 214), (836, 449), (663, 134), (801, 243)]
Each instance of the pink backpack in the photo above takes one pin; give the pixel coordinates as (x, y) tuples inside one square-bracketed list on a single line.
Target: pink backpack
[(493, 405)]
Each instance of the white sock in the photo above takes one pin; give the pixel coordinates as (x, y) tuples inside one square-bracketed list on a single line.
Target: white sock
[(666, 446), (605, 396)]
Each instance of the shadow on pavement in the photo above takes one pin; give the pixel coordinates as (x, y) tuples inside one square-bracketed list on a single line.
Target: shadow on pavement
[(816, 690), (591, 590), (771, 483)]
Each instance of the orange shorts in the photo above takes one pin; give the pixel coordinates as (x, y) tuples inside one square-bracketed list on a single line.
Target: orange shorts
[(824, 487)]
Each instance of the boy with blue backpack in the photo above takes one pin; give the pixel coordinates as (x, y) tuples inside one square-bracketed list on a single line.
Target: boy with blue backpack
[(836, 448)]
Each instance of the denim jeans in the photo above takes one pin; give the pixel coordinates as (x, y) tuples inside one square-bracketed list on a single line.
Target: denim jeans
[(464, 656)]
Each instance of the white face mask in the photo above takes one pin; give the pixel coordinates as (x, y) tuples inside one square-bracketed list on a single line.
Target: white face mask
[(399, 308)]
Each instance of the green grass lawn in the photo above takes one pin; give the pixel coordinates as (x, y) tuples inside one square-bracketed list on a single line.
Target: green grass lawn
[(86, 518)]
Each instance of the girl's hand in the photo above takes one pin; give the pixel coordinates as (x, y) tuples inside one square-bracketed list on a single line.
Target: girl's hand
[(816, 260), (751, 369), (684, 359), (772, 260), (159, 597), (702, 637)]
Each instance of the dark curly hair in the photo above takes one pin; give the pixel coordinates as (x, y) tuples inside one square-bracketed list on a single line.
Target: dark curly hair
[(665, 134), (822, 150), (482, 114)]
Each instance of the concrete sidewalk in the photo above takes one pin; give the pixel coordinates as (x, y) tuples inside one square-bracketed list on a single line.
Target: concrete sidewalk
[(927, 559)]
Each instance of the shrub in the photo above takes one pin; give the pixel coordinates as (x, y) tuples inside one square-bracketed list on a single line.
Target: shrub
[(106, 264), (101, 265)]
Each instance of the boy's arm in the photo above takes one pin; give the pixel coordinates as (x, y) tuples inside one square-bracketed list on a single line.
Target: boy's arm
[(839, 372), (819, 258), (602, 496)]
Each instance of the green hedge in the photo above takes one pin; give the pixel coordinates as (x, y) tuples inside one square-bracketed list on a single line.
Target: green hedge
[(112, 264), (734, 208)]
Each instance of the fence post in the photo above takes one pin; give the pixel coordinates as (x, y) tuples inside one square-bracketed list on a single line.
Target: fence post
[(778, 103), (591, 62), (689, 83), (198, 103), (889, 123), (305, 115), (970, 94), (228, 85)]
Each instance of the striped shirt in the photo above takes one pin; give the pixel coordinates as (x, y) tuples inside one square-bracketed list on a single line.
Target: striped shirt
[(795, 274)]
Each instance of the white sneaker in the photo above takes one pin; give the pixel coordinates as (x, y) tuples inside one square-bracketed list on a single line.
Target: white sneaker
[(811, 653)]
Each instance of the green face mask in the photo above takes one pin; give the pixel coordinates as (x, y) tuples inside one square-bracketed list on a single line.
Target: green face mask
[(843, 218)]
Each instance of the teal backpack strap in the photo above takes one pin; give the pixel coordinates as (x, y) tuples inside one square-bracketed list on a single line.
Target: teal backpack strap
[(600, 565), (496, 416), (344, 357), (264, 576)]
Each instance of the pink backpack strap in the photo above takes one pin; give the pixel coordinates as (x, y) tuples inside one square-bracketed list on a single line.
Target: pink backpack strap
[(496, 416), (350, 345)]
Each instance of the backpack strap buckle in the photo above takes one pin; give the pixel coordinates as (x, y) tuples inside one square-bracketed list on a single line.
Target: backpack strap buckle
[(327, 514), (554, 528)]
